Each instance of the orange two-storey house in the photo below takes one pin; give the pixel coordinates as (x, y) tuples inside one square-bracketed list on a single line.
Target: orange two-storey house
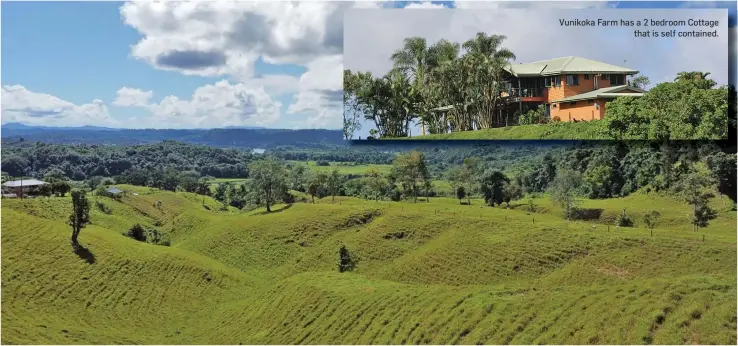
[(570, 88)]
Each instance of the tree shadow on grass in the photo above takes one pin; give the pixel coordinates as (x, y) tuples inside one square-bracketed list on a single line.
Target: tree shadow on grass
[(83, 253), (274, 210), (586, 214)]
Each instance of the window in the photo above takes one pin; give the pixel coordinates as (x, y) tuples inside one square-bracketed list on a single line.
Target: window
[(617, 79), (573, 103), (547, 82), (572, 79), (586, 77), (557, 81), (554, 106), (605, 77), (591, 101)]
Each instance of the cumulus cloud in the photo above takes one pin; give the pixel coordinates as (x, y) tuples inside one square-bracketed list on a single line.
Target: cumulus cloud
[(535, 35), (22, 105), (128, 97), (218, 38), (425, 4), (214, 105)]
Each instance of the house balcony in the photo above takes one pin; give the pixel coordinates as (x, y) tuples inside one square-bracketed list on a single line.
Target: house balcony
[(524, 95)]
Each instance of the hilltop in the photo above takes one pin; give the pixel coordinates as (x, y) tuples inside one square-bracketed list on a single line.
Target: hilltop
[(427, 272)]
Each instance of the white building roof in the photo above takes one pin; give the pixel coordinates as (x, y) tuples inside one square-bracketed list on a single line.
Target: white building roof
[(24, 182)]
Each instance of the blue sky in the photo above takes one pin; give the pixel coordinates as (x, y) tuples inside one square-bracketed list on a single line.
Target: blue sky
[(64, 63)]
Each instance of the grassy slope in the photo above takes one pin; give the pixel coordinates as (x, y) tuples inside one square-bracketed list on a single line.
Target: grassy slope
[(562, 130), (434, 272)]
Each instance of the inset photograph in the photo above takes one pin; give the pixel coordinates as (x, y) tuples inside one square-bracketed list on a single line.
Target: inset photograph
[(536, 74)]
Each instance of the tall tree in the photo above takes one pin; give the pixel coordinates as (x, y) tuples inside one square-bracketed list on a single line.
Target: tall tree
[(335, 180), (268, 177), (492, 185), (565, 190), (410, 169), (80, 216), (696, 189)]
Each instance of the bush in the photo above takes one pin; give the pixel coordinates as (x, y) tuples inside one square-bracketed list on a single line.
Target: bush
[(150, 235), (137, 232), (323, 163), (623, 220), (346, 261), (530, 207), (556, 119), (288, 198), (395, 195)]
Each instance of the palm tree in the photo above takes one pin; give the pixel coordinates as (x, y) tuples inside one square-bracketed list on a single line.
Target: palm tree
[(490, 59), (412, 59)]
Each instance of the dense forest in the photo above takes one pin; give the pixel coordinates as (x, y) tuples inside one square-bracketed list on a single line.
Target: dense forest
[(80, 162), (470, 85)]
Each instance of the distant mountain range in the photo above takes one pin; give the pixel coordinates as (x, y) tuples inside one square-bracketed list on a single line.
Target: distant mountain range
[(20, 126), (228, 137)]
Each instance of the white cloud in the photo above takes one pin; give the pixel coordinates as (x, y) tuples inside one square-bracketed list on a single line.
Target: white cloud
[(425, 4), (214, 105), (535, 35), (128, 97), (22, 105), (217, 38)]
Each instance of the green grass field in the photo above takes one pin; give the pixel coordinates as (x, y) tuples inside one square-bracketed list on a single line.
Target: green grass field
[(561, 130), (433, 273)]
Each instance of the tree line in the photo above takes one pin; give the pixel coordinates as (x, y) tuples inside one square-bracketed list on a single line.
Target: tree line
[(82, 162)]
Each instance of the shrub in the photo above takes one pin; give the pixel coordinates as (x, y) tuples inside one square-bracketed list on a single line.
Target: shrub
[(556, 119), (288, 198), (137, 232), (623, 220), (323, 163), (530, 207), (346, 261)]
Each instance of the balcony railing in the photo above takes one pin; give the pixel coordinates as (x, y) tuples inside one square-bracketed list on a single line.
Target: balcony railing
[(525, 92)]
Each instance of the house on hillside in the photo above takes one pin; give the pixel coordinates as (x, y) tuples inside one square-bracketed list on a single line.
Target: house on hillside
[(570, 88), (21, 187), (114, 191)]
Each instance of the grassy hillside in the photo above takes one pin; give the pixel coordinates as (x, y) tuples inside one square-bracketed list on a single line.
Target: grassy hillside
[(561, 130), (432, 272)]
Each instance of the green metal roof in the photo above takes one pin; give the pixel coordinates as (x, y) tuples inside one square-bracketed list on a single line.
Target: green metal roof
[(565, 65), (611, 92)]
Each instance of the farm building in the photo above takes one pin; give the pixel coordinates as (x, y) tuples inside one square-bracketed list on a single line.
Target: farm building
[(22, 187)]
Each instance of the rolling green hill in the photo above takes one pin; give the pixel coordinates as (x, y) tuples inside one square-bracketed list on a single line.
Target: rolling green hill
[(433, 272)]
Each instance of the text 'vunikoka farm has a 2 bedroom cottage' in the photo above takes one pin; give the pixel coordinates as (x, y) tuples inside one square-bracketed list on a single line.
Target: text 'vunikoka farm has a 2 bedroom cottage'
[(570, 88)]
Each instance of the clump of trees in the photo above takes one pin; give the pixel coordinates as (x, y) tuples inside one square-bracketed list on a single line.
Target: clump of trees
[(690, 107), (150, 235), (426, 77)]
